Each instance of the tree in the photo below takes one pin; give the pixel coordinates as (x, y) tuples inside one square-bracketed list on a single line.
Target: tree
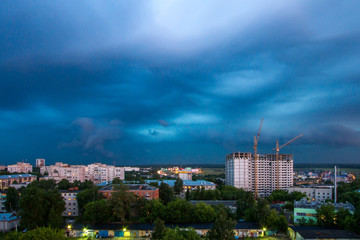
[(178, 186), (177, 234), (159, 229), (166, 194), (281, 224), (179, 211), (223, 228), (64, 184), (120, 202), (204, 213), (97, 212), (345, 220), (155, 209), (12, 199), (86, 196), (116, 181), (37, 203), (325, 215), (187, 195)]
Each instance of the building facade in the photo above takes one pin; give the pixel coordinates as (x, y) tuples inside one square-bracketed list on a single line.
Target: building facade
[(185, 175), (7, 180), (240, 172), (40, 162), (71, 204), (96, 172), (20, 167), (142, 190), (314, 193)]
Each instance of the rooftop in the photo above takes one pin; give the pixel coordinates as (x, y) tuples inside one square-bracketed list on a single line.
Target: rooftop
[(190, 183), (315, 232), (16, 176), (315, 205), (8, 216)]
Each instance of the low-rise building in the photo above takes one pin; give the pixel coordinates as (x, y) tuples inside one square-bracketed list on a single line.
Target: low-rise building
[(141, 190), (7, 180), (8, 221), (20, 167), (316, 232), (185, 175), (188, 184), (2, 167), (306, 211), (314, 193), (71, 203)]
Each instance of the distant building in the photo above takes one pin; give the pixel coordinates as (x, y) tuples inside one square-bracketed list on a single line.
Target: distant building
[(188, 184), (307, 210), (7, 180), (71, 203), (95, 172), (20, 167), (8, 221), (240, 172), (142, 190), (40, 162), (131, 169), (2, 168), (315, 193), (185, 175)]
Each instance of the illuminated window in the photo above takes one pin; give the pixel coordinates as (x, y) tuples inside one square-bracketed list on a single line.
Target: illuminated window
[(69, 199), (69, 213)]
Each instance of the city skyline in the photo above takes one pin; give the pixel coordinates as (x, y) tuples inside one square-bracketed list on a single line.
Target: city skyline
[(178, 82)]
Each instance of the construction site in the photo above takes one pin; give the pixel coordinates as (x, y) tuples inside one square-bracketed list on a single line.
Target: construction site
[(260, 173)]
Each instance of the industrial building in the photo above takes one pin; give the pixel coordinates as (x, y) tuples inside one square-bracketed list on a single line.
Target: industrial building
[(314, 193), (240, 172)]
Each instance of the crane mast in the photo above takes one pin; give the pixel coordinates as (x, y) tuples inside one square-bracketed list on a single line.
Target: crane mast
[(256, 139)]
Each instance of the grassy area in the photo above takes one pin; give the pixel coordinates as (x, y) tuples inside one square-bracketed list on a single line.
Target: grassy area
[(213, 171)]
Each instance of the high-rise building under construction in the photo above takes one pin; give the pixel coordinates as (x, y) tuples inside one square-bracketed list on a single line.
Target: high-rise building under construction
[(240, 173)]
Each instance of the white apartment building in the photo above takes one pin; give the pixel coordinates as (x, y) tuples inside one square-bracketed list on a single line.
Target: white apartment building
[(185, 175), (40, 162), (71, 204), (95, 172), (98, 172), (20, 167), (240, 173), (314, 193)]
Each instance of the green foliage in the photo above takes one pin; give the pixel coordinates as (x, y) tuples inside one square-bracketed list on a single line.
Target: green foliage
[(64, 184), (282, 195), (116, 181), (120, 202), (159, 229), (204, 213), (179, 211), (37, 202), (177, 234), (325, 215), (258, 212), (155, 209), (178, 186), (12, 199), (345, 220), (97, 212), (187, 195), (41, 233), (166, 193), (86, 196), (223, 228), (202, 194)]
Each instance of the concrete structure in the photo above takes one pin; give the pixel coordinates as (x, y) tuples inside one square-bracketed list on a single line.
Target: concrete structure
[(240, 173), (315, 193), (7, 180), (2, 201), (20, 167), (40, 162), (316, 232), (71, 204), (188, 184), (185, 175), (307, 210), (8, 221), (142, 190), (96, 172)]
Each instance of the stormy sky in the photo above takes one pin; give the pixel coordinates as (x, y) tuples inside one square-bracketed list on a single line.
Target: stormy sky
[(142, 82)]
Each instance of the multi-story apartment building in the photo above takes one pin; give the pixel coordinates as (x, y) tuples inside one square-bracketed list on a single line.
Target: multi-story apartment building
[(40, 162), (314, 193), (96, 172), (20, 167), (240, 172), (185, 175), (142, 190), (7, 180), (71, 204)]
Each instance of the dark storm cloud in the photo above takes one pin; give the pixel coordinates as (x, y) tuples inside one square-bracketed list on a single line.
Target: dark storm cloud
[(179, 73)]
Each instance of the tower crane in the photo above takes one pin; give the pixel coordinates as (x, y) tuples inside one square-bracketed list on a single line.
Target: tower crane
[(256, 139), (277, 157)]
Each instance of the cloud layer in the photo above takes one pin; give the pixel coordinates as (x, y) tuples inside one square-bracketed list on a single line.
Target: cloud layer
[(180, 81)]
